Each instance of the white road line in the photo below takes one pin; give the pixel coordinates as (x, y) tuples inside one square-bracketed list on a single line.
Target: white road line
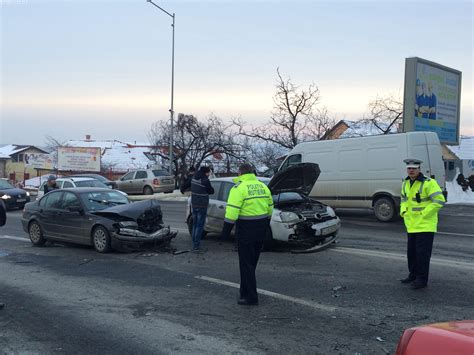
[(14, 238), (436, 261), (272, 294), (459, 234)]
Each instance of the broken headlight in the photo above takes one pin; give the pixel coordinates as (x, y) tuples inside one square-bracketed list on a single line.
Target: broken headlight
[(289, 217), (330, 212), (128, 224)]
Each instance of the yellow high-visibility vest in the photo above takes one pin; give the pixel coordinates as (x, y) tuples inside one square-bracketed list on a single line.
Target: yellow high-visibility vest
[(249, 199), (420, 203)]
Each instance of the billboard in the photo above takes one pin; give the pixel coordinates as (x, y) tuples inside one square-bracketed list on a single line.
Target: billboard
[(78, 159), (39, 161), (432, 99)]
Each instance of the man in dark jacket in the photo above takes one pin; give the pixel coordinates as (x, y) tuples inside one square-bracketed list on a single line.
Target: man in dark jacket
[(185, 187), (201, 188), (50, 184)]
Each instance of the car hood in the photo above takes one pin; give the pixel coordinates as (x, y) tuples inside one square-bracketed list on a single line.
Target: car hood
[(296, 178), (12, 192), (131, 210)]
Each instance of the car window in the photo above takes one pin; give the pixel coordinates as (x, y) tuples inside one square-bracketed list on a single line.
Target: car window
[(216, 185), (128, 176), (160, 173), (99, 200), (141, 175), (90, 183), (70, 200), (52, 200), (5, 185), (60, 184), (291, 160), (226, 190), (67, 184)]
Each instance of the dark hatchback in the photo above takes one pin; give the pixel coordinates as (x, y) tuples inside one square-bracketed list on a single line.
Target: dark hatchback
[(100, 217), (13, 197)]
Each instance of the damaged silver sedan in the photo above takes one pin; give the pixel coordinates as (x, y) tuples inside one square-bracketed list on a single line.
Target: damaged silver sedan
[(102, 218)]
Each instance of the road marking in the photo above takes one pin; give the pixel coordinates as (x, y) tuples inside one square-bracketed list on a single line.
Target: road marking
[(272, 294), (459, 234), (14, 238), (436, 261)]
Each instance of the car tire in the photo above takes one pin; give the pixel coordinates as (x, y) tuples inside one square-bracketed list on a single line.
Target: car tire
[(147, 190), (384, 209), (101, 240), (36, 234)]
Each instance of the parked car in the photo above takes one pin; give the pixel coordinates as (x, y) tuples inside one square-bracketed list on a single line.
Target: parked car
[(146, 182), (69, 182), (304, 223), (101, 217), (438, 339), (109, 183), (12, 196)]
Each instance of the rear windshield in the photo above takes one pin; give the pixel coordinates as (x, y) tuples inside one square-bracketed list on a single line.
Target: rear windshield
[(90, 183), (160, 173)]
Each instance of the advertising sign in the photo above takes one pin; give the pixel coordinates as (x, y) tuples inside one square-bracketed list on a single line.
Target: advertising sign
[(432, 99), (78, 159), (39, 161)]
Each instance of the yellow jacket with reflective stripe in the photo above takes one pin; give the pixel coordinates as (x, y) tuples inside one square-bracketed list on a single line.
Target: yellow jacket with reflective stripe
[(421, 215), (249, 199)]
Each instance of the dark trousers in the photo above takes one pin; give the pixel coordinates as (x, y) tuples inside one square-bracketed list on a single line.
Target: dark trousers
[(419, 247), (249, 252)]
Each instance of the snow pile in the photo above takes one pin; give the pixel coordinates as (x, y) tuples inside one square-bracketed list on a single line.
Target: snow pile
[(457, 195)]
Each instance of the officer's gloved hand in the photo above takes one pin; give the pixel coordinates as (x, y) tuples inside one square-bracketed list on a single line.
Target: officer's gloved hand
[(225, 234)]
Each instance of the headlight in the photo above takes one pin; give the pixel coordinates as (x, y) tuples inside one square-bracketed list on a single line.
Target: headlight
[(6, 197), (330, 212), (289, 217), (27, 193)]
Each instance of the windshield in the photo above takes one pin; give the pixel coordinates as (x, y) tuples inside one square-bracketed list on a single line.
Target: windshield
[(287, 196), (90, 183), (5, 185), (99, 200)]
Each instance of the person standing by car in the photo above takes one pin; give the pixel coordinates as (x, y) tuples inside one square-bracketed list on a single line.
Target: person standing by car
[(50, 184), (249, 207), (421, 198), (201, 188), (3, 214), (185, 187)]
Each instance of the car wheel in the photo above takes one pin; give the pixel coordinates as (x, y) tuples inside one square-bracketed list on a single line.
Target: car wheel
[(384, 209), (36, 234), (101, 239), (147, 190)]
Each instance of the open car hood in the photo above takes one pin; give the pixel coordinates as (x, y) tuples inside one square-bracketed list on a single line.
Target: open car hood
[(296, 178), (133, 211)]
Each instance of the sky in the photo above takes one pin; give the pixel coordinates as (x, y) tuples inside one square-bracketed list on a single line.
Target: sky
[(102, 67)]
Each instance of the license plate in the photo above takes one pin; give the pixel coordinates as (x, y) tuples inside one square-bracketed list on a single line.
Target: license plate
[(21, 200), (166, 181), (329, 230)]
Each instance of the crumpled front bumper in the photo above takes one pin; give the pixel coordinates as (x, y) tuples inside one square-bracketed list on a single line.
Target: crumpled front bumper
[(128, 238)]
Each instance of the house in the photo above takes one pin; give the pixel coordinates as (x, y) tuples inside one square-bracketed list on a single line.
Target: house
[(349, 129), (462, 158), (14, 164)]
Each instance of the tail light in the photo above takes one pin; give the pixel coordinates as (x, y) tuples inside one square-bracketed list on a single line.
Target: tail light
[(404, 340), (156, 181)]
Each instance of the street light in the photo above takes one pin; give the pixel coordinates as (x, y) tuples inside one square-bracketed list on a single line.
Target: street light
[(172, 86)]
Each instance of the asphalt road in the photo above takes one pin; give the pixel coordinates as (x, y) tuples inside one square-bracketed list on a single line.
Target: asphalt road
[(344, 300)]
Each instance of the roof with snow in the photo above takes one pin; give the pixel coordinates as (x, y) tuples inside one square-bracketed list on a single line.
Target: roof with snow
[(7, 150), (465, 149), (364, 128)]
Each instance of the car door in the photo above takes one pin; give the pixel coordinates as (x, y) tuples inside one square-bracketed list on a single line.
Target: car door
[(72, 222), (125, 182), (214, 209), (139, 181), (49, 213)]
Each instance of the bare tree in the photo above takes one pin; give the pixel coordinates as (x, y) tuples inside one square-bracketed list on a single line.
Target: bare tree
[(295, 116), (386, 112), (195, 142)]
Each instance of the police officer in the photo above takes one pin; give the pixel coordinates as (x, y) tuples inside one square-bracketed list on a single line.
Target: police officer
[(249, 207), (421, 198)]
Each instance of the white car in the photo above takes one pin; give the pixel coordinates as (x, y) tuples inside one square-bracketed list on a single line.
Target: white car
[(64, 183), (306, 224)]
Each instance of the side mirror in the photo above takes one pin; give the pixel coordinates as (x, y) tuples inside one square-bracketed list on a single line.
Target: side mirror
[(76, 209)]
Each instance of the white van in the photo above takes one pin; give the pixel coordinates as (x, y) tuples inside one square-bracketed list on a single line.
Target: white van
[(367, 172)]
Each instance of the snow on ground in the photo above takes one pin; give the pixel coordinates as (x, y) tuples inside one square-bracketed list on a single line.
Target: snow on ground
[(457, 195)]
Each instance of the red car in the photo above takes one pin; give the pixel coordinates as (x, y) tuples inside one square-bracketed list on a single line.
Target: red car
[(438, 339)]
